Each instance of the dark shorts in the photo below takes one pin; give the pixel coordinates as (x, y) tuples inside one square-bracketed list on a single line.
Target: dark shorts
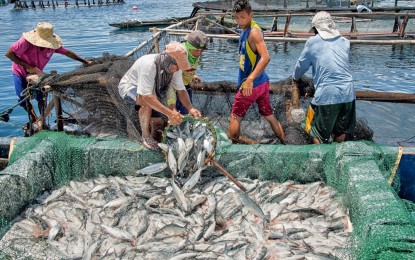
[(20, 84), (337, 119), (260, 95), (131, 102), (179, 106)]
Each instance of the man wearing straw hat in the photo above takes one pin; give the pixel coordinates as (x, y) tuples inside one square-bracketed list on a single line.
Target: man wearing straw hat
[(253, 82), (30, 54), (146, 83), (332, 111)]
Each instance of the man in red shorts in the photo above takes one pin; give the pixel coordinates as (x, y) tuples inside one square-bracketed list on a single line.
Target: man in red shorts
[(253, 82)]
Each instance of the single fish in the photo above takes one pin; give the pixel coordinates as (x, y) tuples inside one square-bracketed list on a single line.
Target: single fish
[(192, 181), (164, 147), (100, 187), (152, 169), (117, 233), (250, 204), (172, 162), (117, 202), (180, 198), (55, 195)]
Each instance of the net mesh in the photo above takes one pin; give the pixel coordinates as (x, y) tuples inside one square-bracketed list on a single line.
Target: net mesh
[(383, 224)]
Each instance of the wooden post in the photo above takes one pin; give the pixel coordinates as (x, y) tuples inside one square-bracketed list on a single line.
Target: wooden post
[(353, 29), (156, 41), (274, 27), (403, 26), (287, 24), (58, 109), (285, 3), (397, 23)]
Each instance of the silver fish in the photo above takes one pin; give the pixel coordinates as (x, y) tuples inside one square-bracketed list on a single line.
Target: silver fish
[(55, 195), (172, 162), (250, 204), (180, 198), (163, 147), (152, 169), (118, 233), (192, 181)]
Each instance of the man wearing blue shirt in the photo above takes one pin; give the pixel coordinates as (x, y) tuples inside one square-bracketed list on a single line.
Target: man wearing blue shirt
[(332, 111)]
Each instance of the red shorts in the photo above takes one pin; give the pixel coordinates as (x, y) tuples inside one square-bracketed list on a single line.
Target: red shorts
[(260, 95)]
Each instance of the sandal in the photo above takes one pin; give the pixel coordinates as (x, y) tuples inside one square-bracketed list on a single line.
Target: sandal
[(150, 143)]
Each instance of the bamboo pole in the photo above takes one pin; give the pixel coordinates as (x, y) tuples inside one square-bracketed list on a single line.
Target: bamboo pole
[(282, 87), (371, 15), (403, 26), (304, 39), (221, 26), (156, 41), (287, 24), (136, 49), (256, 11)]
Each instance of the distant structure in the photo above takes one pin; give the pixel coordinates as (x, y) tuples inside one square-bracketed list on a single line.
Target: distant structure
[(43, 4)]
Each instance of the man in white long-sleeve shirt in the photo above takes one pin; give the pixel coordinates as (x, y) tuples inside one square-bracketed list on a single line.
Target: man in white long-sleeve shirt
[(332, 111)]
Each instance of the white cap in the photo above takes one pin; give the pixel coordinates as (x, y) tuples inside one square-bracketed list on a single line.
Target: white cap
[(325, 26)]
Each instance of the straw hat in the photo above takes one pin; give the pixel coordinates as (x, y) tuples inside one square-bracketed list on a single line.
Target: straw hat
[(325, 26), (43, 36), (178, 52)]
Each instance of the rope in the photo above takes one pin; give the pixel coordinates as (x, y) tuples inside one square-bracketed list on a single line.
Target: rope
[(395, 167), (4, 115)]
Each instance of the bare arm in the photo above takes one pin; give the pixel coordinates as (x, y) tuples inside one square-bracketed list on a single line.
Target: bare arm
[(75, 56), (257, 43), (30, 69)]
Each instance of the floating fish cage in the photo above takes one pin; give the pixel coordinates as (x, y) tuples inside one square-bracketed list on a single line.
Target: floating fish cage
[(51, 174), (86, 194)]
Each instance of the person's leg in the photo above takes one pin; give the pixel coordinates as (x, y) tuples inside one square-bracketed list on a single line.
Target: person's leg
[(157, 125), (19, 86), (264, 106), (339, 138), (158, 122), (320, 122), (276, 127), (235, 128), (144, 115), (239, 108), (346, 121), (179, 106)]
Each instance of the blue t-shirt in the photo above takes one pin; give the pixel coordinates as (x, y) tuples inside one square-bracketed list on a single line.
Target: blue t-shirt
[(249, 59), (329, 60)]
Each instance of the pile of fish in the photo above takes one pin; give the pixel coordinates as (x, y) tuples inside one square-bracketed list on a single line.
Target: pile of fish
[(146, 217), (138, 217), (187, 146)]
